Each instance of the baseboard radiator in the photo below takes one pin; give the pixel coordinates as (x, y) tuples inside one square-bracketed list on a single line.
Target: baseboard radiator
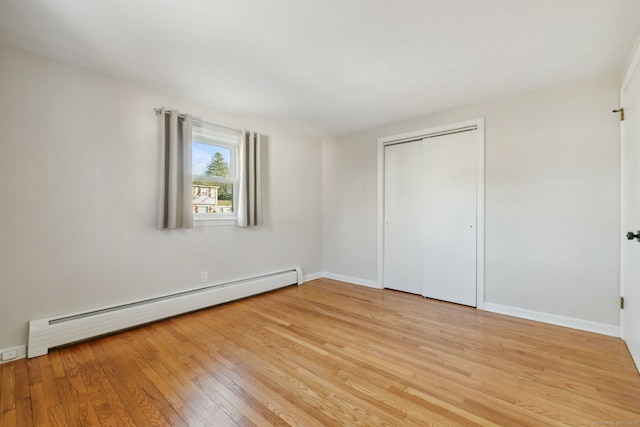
[(60, 330)]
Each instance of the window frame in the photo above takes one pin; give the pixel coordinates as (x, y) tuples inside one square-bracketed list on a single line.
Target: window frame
[(218, 136)]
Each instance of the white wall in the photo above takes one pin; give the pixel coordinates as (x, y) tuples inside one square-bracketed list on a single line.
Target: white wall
[(552, 199), (78, 196), (78, 167)]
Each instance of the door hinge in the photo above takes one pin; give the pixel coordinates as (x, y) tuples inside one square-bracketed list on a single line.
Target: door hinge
[(621, 303), (621, 111)]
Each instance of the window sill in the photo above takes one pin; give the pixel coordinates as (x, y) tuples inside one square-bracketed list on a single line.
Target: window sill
[(210, 222)]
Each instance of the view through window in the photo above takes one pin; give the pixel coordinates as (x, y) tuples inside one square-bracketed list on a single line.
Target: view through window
[(214, 174)]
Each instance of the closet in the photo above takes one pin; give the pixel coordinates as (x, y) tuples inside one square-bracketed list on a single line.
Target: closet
[(430, 214)]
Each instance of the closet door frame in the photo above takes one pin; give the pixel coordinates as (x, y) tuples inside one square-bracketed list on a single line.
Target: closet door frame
[(480, 227)]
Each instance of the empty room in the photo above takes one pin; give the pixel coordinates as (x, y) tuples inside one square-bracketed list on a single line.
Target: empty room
[(319, 213)]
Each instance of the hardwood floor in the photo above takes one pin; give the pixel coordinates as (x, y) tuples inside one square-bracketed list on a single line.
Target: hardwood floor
[(329, 353)]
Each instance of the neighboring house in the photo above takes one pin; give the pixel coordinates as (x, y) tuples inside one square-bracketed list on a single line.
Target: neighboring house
[(205, 198)]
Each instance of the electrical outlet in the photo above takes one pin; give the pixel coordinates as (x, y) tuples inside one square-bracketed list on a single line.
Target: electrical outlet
[(204, 276), (9, 354)]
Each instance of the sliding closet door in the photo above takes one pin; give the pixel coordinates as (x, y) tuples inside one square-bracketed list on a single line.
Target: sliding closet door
[(403, 210), (430, 217), (449, 218)]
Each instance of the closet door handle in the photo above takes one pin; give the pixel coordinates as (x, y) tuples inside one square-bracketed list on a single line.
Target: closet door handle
[(632, 236)]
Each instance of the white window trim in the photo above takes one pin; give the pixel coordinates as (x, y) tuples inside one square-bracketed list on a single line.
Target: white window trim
[(212, 222), (203, 135)]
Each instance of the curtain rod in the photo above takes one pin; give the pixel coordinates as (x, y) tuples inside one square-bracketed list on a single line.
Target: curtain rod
[(195, 119)]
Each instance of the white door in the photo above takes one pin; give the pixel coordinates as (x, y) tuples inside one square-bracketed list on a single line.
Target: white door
[(403, 211), (430, 217), (449, 218), (630, 198)]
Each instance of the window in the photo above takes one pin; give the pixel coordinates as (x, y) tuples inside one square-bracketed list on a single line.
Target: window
[(214, 155)]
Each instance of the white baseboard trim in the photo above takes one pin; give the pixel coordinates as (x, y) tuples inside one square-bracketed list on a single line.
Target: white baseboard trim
[(354, 280), (554, 319), (313, 276), (21, 353)]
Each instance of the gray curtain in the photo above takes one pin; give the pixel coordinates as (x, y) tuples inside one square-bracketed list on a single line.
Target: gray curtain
[(250, 185), (174, 137)]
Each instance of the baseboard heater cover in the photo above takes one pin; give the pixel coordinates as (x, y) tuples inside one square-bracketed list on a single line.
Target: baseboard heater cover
[(60, 330)]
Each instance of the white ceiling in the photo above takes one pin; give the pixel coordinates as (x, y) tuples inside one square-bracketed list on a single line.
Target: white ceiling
[(328, 67)]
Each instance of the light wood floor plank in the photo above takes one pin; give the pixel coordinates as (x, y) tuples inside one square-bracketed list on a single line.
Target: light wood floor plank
[(329, 353)]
